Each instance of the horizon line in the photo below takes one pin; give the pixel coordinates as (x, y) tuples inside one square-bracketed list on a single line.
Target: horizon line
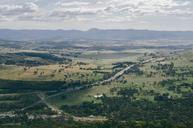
[(15, 29)]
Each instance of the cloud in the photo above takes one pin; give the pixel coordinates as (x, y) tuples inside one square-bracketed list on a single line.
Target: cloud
[(71, 4), (13, 12), (145, 7), (92, 10), (18, 9), (118, 10)]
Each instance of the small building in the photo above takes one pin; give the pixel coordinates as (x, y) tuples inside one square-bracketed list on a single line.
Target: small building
[(98, 96)]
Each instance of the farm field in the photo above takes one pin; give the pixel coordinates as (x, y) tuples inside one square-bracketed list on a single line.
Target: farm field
[(149, 81), (96, 86)]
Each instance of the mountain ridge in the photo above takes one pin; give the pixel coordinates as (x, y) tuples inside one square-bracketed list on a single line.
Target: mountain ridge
[(93, 34)]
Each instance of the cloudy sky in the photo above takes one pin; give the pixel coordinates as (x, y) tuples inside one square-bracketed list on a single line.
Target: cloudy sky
[(105, 14)]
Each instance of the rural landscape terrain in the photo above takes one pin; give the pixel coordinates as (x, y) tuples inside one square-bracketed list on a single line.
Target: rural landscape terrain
[(75, 79)]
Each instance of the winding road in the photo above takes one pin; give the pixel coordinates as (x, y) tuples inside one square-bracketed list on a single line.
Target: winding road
[(44, 99)]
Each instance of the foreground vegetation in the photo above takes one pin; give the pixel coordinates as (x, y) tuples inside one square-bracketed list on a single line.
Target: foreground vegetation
[(68, 89)]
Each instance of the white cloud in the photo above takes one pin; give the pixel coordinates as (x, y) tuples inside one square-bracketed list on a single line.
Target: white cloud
[(71, 4), (116, 10), (12, 12), (119, 9), (93, 10)]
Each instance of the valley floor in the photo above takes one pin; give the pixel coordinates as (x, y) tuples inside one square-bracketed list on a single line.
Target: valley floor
[(142, 88)]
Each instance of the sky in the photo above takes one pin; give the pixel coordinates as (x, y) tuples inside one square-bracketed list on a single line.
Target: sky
[(104, 14)]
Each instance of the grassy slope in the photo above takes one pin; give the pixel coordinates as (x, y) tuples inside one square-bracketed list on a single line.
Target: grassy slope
[(143, 82)]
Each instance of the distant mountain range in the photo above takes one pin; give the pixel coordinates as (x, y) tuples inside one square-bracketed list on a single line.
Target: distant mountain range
[(94, 34)]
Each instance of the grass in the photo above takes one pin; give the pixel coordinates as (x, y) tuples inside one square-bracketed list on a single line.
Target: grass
[(73, 72), (103, 55), (103, 60), (106, 58), (8, 101), (141, 82), (51, 72), (84, 95)]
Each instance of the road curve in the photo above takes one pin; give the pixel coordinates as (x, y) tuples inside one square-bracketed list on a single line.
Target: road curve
[(112, 78)]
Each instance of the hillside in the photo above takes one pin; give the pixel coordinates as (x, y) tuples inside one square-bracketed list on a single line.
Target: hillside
[(93, 34)]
